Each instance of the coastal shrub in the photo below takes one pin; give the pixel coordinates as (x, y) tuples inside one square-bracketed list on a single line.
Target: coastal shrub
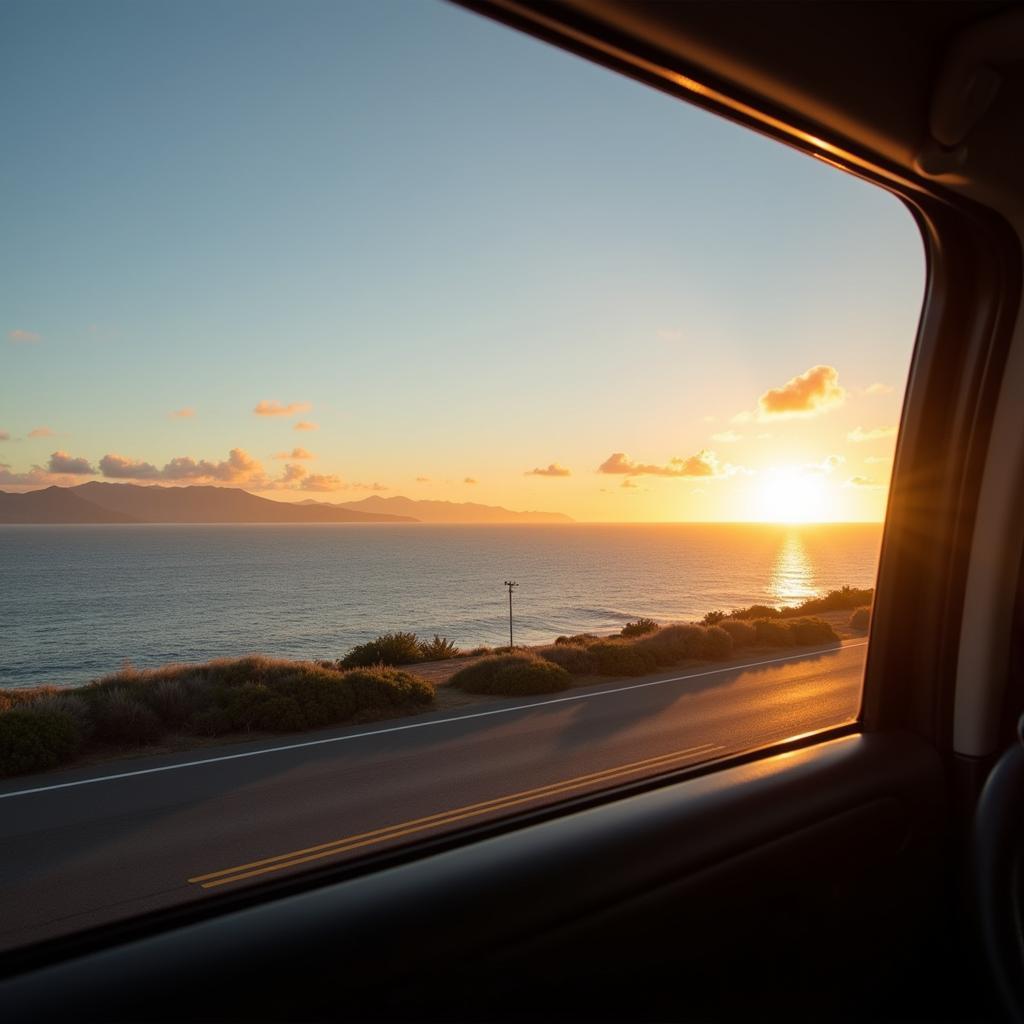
[(573, 658), (834, 601), (580, 639), (861, 618), (438, 649), (280, 713), (512, 675), (716, 644), (713, 618), (539, 677), (173, 700), (617, 658), (387, 689), (44, 726), (756, 611), (742, 633), (120, 717), (33, 739), (639, 628), (476, 652), (387, 649), (812, 631), (773, 633), (60, 701), (672, 644)]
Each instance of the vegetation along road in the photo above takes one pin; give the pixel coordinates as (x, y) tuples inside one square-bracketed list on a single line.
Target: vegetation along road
[(88, 846)]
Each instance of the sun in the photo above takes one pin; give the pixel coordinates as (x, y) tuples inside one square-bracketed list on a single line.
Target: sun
[(791, 495)]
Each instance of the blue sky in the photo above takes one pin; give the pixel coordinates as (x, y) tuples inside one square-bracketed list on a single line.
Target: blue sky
[(468, 253)]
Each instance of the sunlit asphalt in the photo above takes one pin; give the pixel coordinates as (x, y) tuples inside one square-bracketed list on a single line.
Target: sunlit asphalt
[(83, 848)]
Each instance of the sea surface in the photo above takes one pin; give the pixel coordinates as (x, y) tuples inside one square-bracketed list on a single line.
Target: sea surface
[(79, 601)]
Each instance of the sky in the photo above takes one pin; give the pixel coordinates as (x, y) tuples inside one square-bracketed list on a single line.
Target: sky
[(324, 250)]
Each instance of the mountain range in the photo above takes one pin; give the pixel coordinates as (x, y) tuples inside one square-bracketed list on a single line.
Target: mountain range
[(99, 502)]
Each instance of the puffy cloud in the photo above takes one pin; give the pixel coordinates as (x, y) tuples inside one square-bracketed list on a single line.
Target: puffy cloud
[(864, 482), (119, 467), (19, 336), (859, 435), (369, 487), (553, 469), (274, 408), (40, 432), (727, 437), (815, 391), (295, 453), (878, 460), (628, 484), (423, 479), (704, 464), (238, 468), (183, 414), (4, 436), (306, 425), (468, 480), (40, 476), (61, 462), (878, 388), (322, 482), (8, 476), (827, 464)]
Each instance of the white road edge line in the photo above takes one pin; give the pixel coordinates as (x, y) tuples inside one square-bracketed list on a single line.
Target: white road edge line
[(425, 724)]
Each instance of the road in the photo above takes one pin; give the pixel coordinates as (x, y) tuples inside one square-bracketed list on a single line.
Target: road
[(86, 847)]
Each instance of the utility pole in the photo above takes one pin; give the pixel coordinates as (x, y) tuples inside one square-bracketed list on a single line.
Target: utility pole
[(510, 584)]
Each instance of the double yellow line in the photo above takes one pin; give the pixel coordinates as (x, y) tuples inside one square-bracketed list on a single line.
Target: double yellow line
[(380, 835)]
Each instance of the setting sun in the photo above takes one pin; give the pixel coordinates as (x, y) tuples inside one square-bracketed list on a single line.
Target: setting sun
[(791, 495)]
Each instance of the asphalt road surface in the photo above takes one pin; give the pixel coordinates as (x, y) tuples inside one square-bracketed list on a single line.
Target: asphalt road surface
[(85, 847)]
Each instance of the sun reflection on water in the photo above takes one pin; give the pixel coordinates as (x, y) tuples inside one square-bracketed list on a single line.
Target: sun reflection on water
[(792, 579)]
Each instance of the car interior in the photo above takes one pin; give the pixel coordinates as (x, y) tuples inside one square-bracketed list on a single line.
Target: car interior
[(869, 872)]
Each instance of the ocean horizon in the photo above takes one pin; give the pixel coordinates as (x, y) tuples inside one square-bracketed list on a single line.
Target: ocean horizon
[(79, 601)]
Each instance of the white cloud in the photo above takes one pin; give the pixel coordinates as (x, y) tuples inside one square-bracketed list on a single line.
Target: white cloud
[(859, 435), (274, 408)]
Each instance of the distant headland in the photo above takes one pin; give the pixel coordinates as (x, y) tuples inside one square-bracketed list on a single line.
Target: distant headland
[(133, 503)]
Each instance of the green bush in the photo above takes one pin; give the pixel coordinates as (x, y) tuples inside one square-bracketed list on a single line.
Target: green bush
[(716, 644), (34, 739), (639, 628), (861, 618), (512, 675), (577, 660), (132, 707), (438, 649), (773, 633), (673, 644), (580, 639), (812, 631), (387, 649), (387, 689), (619, 658), (713, 618), (833, 601), (742, 633), (120, 717), (173, 700), (756, 611)]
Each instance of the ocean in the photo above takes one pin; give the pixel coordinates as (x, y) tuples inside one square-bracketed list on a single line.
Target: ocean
[(79, 601)]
